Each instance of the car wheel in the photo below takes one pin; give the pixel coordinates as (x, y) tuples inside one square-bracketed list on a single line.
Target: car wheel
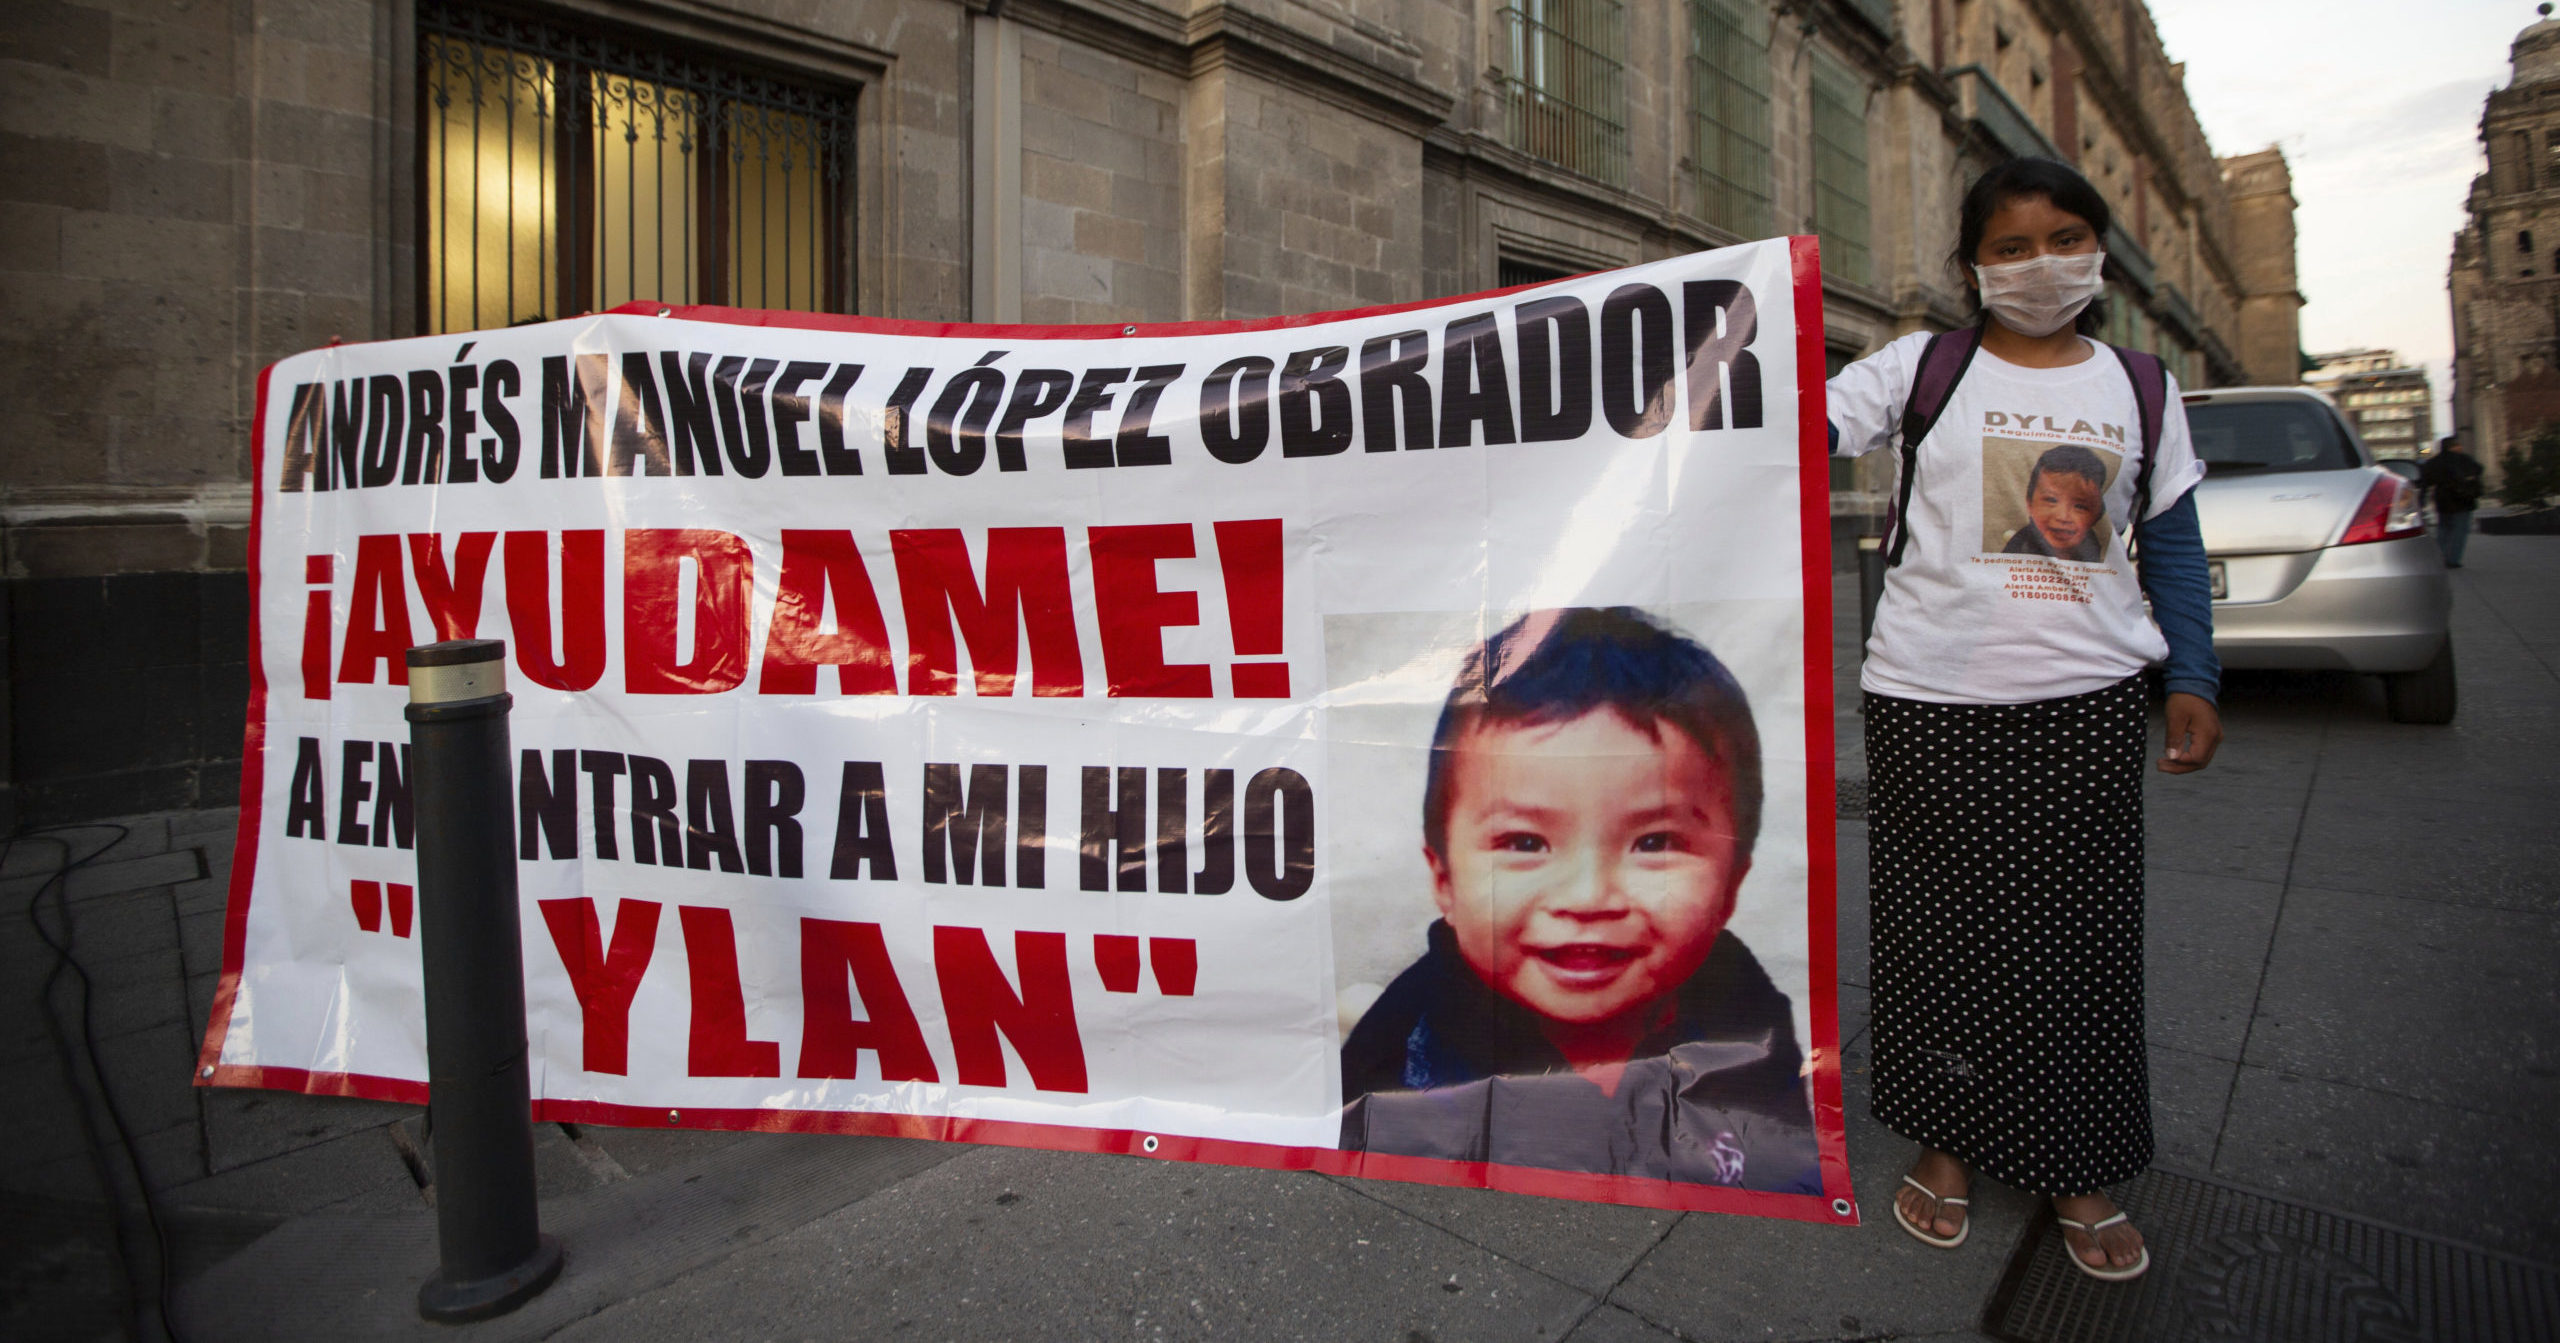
[(2425, 695)]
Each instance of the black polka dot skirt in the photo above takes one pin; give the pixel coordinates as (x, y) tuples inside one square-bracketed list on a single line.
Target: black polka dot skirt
[(2006, 900)]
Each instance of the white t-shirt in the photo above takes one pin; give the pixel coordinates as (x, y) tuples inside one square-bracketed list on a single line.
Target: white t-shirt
[(2015, 585)]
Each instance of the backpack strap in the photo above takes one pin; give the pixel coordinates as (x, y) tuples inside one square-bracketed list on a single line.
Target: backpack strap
[(2151, 398), (1942, 364)]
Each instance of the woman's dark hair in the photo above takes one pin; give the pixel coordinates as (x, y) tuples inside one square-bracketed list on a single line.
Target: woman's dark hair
[(2070, 459), (2058, 183)]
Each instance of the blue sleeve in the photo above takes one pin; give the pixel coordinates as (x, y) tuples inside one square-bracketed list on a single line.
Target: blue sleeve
[(2174, 578)]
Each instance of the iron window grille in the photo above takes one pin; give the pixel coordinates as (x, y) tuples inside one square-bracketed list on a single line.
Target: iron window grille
[(1563, 84), (1512, 272), (564, 170), (1840, 169), (1729, 113)]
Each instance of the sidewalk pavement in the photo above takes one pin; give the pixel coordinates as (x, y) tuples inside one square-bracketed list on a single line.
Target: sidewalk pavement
[(2354, 1003)]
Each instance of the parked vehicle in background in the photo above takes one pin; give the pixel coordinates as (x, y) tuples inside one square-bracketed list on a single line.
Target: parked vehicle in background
[(2319, 555)]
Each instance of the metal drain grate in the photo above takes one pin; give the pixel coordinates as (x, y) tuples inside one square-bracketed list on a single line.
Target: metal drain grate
[(2228, 1264)]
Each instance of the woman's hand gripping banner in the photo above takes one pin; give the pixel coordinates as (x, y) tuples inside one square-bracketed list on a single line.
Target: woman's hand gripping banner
[(1392, 743)]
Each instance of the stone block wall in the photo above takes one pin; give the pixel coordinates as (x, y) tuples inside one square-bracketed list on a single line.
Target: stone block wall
[(1322, 210), (1102, 200), (122, 521)]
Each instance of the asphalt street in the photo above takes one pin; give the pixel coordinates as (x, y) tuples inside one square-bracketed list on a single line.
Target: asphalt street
[(2354, 1003)]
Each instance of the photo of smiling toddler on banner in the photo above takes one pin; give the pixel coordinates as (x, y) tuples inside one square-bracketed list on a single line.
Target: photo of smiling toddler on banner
[(1593, 795)]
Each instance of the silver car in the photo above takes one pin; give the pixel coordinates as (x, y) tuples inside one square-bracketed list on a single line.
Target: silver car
[(2320, 557)]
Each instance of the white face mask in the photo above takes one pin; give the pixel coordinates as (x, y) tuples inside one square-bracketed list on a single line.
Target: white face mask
[(2040, 295)]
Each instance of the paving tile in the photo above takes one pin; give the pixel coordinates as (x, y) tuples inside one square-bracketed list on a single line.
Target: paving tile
[(2224, 832), (362, 1166), (2440, 1002), (29, 983), (2398, 760), (139, 874), (2190, 1096), (2205, 944), (1856, 1015), (200, 939), (200, 989), (1748, 1277), (2488, 848), (244, 1124), (99, 879), (2274, 702), (41, 1118), (1586, 1245), (2487, 1179), (210, 895), (561, 1165), (1002, 1243), (152, 1073), (352, 1272), (213, 823), (645, 1151), (65, 1278), (200, 1238), (130, 993), (142, 1042), (99, 930), (39, 854), (88, 1177), (1853, 903), (26, 1036), (1617, 1324), (2274, 759)]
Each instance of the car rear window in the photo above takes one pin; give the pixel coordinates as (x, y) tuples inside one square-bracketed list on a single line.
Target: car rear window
[(2285, 435)]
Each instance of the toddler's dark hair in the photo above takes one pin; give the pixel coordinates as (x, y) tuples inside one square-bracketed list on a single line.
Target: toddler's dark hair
[(1554, 666), (2070, 459)]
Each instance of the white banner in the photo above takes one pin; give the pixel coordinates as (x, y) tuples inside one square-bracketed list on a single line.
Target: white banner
[(1393, 743)]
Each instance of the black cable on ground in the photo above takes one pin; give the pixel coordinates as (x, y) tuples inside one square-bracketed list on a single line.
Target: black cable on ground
[(58, 885)]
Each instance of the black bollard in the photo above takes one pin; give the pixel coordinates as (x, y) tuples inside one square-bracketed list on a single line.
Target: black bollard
[(489, 1238)]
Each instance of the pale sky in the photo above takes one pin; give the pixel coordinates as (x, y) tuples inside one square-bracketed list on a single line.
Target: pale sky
[(2377, 106)]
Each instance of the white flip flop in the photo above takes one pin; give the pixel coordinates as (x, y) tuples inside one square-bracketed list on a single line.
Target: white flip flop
[(1922, 1233), (2091, 1229)]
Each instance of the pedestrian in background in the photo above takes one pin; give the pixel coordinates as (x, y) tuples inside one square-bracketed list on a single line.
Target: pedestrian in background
[(2005, 714), (2452, 479)]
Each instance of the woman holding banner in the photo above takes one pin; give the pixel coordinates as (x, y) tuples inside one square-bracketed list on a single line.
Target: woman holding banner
[(2005, 716)]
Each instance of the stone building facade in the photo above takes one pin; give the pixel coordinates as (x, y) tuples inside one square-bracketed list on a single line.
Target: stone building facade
[(2504, 279), (195, 188), (2262, 205)]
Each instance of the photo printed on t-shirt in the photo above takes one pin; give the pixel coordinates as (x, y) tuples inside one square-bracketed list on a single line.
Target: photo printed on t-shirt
[(2048, 498)]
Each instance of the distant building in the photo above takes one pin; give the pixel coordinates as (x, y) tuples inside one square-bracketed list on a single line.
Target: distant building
[(2389, 400), (2505, 275)]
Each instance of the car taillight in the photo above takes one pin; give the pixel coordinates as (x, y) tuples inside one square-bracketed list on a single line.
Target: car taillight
[(2389, 512)]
